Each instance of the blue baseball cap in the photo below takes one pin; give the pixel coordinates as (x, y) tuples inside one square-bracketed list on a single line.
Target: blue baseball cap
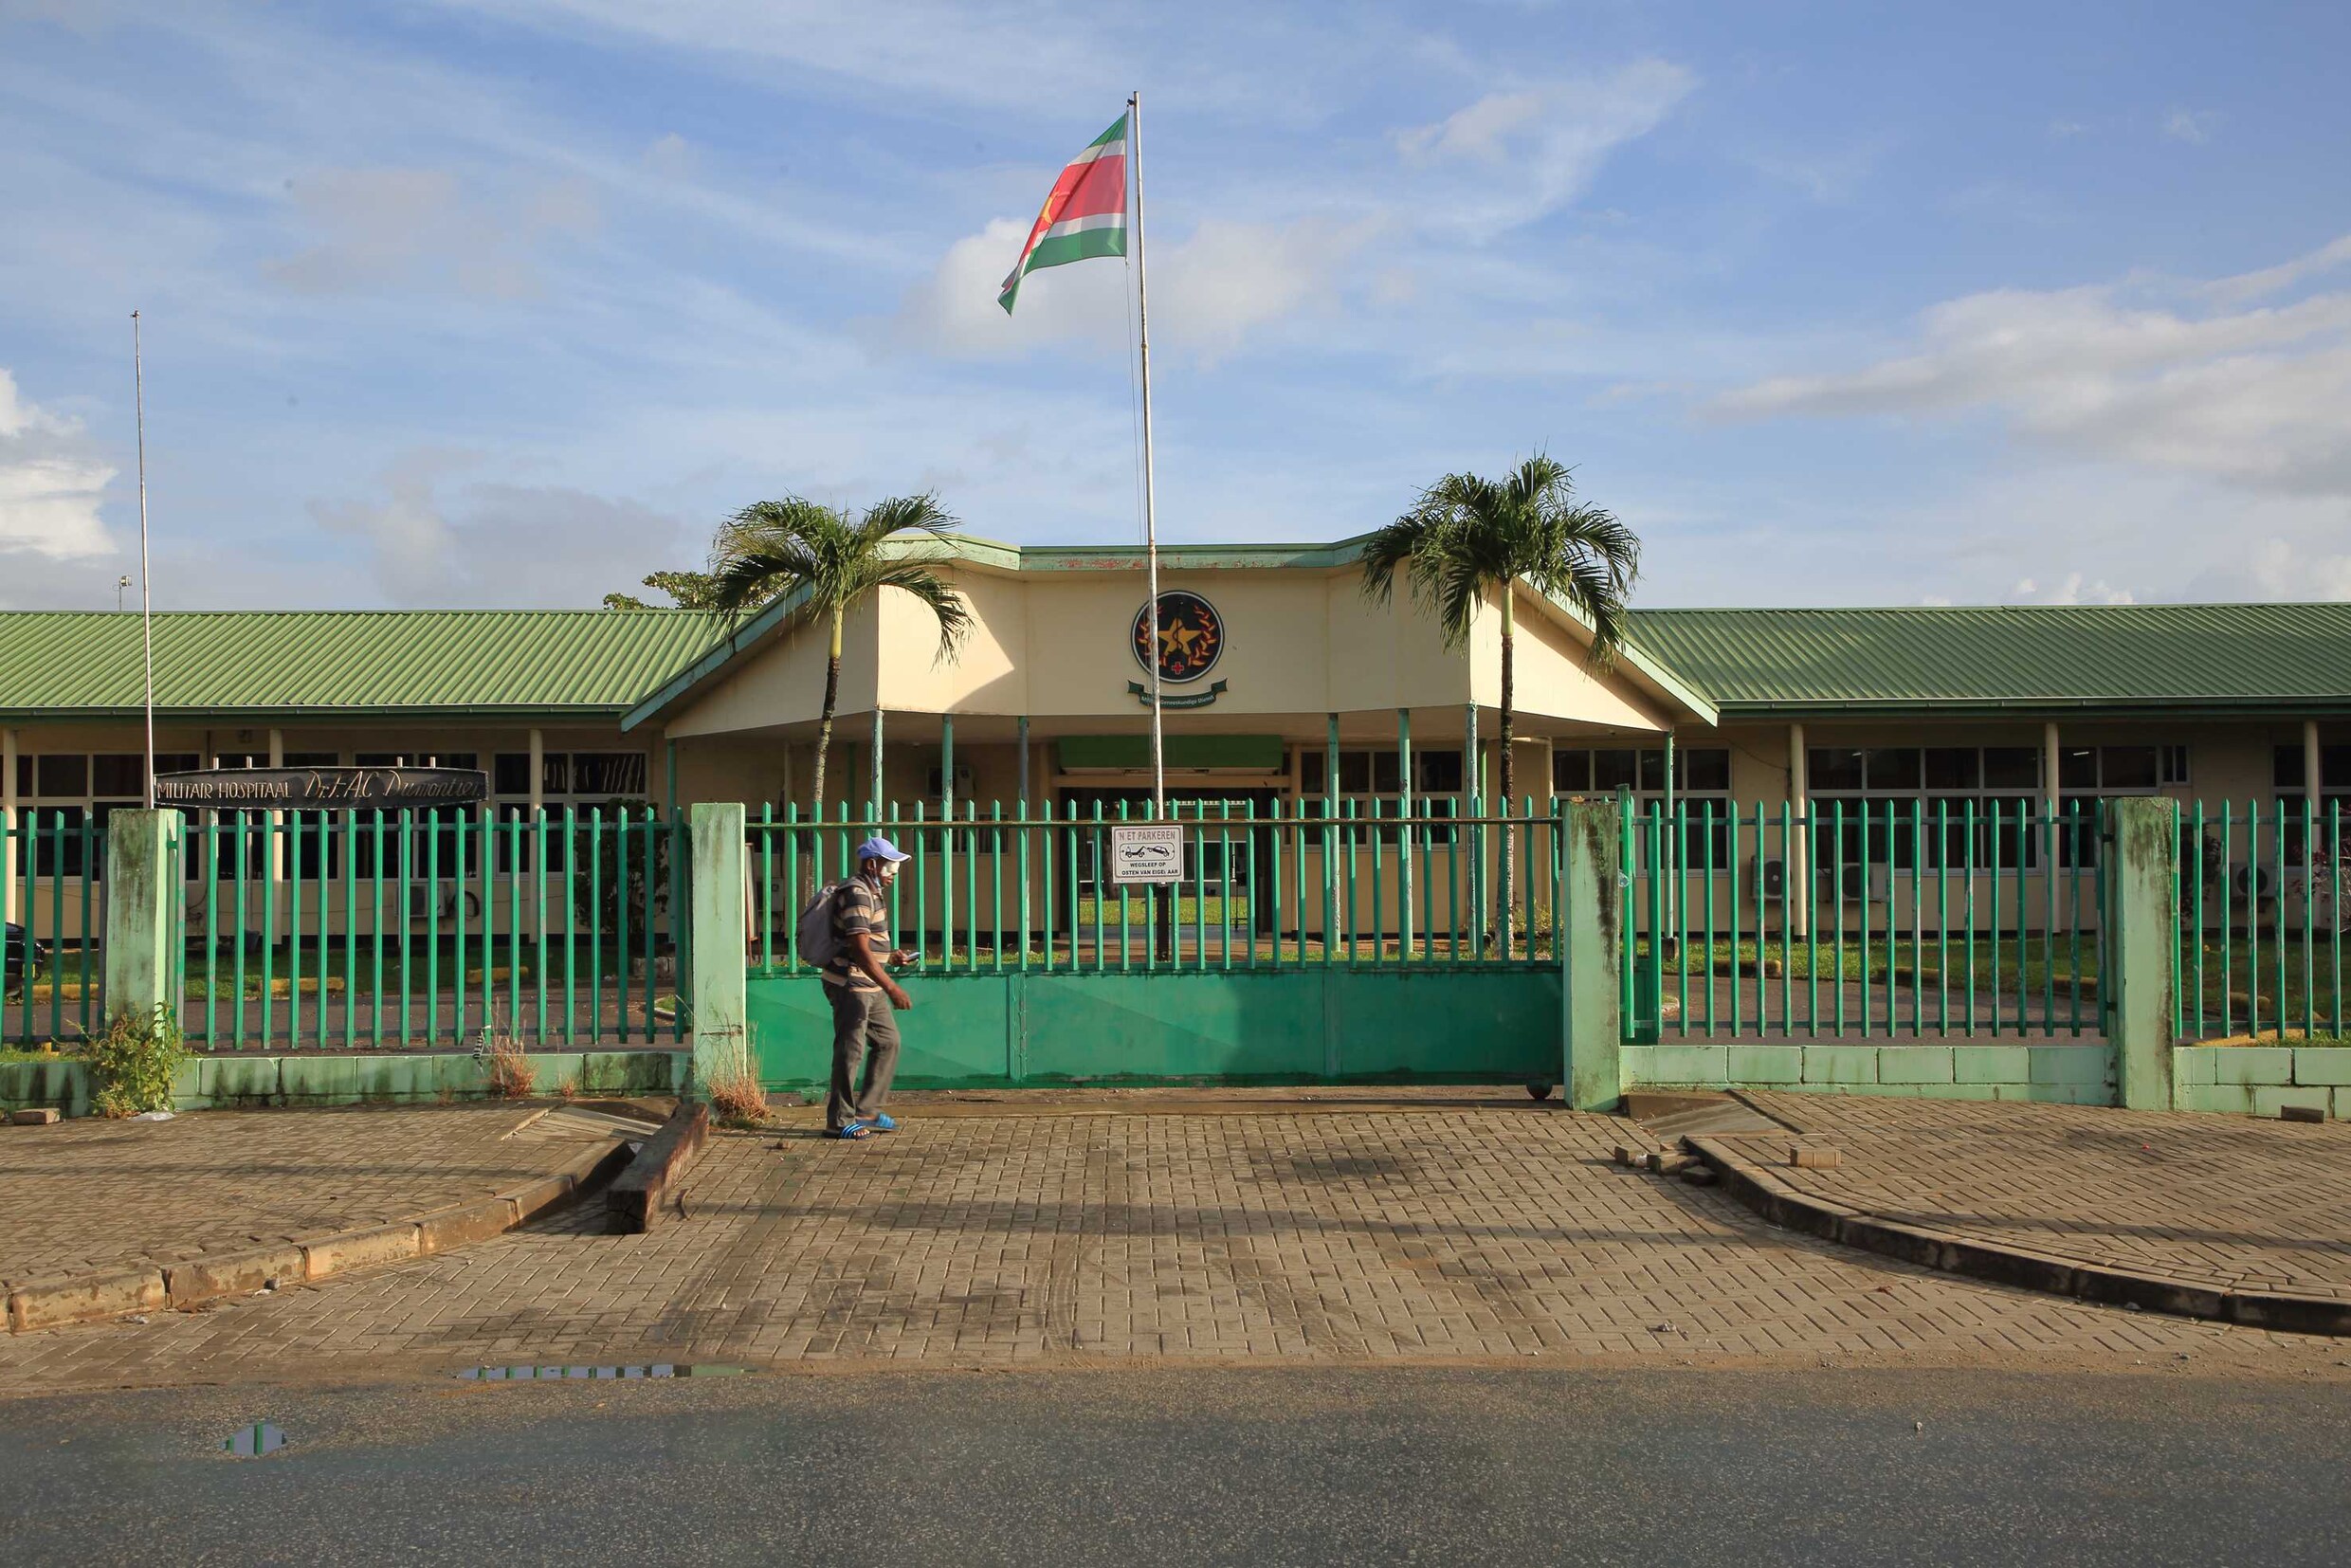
[(879, 848)]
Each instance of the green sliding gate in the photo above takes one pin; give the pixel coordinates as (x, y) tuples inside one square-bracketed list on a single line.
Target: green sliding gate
[(1865, 920), (1300, 948), (432, 927), (52, 987)]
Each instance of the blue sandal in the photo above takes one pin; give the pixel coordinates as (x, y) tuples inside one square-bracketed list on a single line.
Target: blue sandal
[(853, 1130), (883, 1123)]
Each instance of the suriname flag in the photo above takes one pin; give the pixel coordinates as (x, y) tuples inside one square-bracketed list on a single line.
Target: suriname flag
[(1086, 214)]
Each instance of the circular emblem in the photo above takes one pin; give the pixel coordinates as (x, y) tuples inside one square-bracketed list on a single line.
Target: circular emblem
[(1192, 635)]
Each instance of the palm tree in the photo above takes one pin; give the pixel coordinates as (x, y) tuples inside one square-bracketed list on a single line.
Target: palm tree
[(798, 548), (1470, 537)]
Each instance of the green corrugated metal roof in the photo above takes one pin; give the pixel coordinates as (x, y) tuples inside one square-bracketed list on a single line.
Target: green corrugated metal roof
[(2218, 655), (400, 661)]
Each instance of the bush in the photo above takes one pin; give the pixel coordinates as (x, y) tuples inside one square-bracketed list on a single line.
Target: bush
[(505, 1067), (132, 1062), (738, 1100)]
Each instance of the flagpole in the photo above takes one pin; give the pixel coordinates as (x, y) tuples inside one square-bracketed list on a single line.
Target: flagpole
[(1151, 530), (146, 591)]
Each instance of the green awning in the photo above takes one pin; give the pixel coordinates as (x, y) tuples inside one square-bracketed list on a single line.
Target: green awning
[(1256, 752)]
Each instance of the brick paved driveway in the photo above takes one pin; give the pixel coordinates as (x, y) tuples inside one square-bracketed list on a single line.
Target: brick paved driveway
[(1052, 1239), (2213, 1199), (91, 1193)]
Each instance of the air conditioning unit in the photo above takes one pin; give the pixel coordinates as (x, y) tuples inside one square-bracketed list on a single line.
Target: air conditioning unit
[(1774, 879), (933, 779), (1852, 881), (2252, 882)]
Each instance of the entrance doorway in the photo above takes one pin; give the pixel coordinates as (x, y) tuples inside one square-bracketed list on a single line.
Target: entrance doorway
[(1229, 866)]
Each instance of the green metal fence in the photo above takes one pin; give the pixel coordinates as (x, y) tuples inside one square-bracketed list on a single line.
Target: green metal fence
[(2260, 949), (1867, 918), (430, 927), (52, 985), (994, 891)]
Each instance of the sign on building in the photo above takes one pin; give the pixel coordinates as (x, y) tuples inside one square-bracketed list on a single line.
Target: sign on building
[(254, 789), (1146, 853)]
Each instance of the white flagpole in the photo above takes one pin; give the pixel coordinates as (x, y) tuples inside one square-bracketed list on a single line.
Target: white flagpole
[(146, 592), (1151, 530)]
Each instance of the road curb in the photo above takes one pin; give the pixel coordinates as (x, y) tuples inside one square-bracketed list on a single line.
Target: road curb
[(1755, 1188), (111, 1293), (635, 1199)]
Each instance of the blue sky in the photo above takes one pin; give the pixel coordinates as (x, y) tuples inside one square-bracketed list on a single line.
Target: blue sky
[(495, 302)]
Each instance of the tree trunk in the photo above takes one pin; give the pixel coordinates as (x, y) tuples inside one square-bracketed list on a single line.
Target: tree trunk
[(824, 717), (808, 879), (1509, 773)]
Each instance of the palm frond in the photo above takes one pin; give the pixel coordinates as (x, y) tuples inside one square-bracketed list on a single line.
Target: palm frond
[(953, 611), (1467, 537)]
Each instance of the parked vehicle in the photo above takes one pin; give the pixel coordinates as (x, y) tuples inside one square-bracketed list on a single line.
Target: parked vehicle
[(21, 955)]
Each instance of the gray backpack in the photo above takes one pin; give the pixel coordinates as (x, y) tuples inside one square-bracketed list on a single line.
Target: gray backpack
[(819, 942)]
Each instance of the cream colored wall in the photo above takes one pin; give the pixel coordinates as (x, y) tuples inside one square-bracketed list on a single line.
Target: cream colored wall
[(1553, 677), (1054, 645), (784, 682)]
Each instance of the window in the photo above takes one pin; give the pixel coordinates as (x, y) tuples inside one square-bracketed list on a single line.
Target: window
[(1702, 777), (1889, 804), (1371, 785), (1698, 771), (55, 776)]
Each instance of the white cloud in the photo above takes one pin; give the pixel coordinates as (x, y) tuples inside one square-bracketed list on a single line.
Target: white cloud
[(2153, 375), (504, 546), (377, 228), (52, 481), (1211, 292), (2193, 126), (2072, 589), (1533, 150)]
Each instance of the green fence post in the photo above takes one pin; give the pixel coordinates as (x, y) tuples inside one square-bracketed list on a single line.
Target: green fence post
[(142, 911), (1592, 902), (2142, 920), (721, 938)]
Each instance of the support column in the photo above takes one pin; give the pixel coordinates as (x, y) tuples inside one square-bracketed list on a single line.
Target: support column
[(1799, 849), (2143, 934), (1022, 742), (142, 911), (276, 819), (538, 774), (946, 766), (722, 935), (2050, 769), (1404, 833), (1592, 932), (2311, 781), (670, 749), (1330, 837), (873, 782), (8, 825)]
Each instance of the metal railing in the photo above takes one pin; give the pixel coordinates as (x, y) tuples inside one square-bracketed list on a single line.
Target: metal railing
[(1870, 918), (52, 986), (2260, 950), (1285, 887), (432, 927)]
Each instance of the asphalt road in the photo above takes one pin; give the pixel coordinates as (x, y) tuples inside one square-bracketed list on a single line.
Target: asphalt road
[(1273, 1465)]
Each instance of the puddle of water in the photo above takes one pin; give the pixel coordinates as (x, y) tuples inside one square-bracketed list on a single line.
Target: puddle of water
[(599, 1374), (252, 1442)]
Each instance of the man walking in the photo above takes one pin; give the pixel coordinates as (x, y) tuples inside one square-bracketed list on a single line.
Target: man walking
[(864, 996)]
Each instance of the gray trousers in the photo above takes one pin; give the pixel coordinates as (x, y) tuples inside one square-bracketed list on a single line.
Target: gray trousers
[(863, 1026)]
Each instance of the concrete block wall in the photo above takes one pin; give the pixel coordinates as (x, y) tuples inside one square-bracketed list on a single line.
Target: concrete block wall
[(2258, 1080), (2074, 1075), (228, 1082)]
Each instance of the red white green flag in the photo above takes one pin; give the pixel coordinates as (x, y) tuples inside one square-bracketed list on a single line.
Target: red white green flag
[(1086, 214)]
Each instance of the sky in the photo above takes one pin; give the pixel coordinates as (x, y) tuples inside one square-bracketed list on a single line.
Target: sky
[(508, 303)]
